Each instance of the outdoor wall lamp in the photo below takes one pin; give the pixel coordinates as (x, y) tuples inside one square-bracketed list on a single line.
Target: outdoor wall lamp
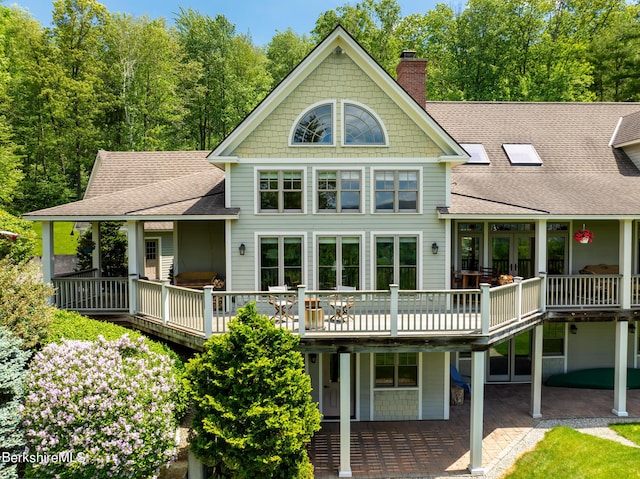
[(573, 328), (242, 249), (632, 328), (434, 248), (313, 357)]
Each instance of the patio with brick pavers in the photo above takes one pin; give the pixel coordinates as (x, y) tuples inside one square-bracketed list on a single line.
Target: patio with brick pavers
[(406, 449)]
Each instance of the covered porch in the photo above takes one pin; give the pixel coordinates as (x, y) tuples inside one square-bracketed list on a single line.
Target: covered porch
[(441, 448)]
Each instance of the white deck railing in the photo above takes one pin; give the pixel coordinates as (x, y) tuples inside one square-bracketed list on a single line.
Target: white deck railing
[(586, 291), (356, 313), (85, 294)]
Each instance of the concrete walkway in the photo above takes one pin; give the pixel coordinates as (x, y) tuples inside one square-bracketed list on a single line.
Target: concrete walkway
[(435, 449)]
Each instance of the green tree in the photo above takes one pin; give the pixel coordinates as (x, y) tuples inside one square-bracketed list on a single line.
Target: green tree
[(284, 51), (143, 58), (372, 23), (13, 362), (227, 77), (18, 249), (113, 250), (253, 412), (24, 307)]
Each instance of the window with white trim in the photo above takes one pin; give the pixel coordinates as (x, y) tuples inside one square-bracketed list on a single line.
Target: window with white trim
[(339, 191), (396, 261), (280, 191), (361, 127), (396, 370), (339, 261), (396, 191), (280, 261), (316, 126)]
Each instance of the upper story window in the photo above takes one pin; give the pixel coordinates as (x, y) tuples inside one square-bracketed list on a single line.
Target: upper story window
[(315, 126), (361, 127), (280, 191), (339, 191), (396, 191)]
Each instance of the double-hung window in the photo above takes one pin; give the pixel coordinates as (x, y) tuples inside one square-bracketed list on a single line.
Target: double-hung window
[(339, 191), (281, 191), (280, 261), (338, 262), (396, 191), (396, 370), (396, 261)]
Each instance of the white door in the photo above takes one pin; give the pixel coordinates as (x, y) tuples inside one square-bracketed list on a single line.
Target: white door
[(331, 385)]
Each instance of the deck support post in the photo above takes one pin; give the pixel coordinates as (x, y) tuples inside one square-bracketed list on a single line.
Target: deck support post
[(478, 365), (165, 309), (345, 415), (47, 252), (620, 373), (536, 373), (302, 292), (96, 257), (208, 311), (393, 289)]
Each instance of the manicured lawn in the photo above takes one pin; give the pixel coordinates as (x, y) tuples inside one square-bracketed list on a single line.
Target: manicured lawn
[(566, 453), (63, 242), (630, 430)]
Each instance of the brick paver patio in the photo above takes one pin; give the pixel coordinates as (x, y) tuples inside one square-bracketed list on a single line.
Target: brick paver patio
[(421, 449)]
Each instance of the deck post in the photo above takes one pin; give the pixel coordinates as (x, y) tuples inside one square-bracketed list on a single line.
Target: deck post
[(536, 373), (518, 281), (543, 291), (485, 305), (476, 414), (133, 296), (345, 415), (208, 311), (47, 252), (301, 307), (620, 372), (164, 302), (394, 288)]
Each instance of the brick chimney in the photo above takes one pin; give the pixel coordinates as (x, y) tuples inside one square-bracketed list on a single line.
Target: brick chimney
[(412, 76)]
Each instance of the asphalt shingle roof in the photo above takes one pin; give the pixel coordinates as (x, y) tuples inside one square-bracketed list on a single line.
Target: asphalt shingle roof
[(580, 173)]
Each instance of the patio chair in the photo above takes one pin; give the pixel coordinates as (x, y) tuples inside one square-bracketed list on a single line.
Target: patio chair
[(458, 379), (341, 304), (489, 275), (283, 304)]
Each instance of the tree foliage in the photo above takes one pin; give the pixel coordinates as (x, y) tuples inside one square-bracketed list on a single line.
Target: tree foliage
[(24, 307), (113, 250), (13, 362), (16, 249), (253, 412)]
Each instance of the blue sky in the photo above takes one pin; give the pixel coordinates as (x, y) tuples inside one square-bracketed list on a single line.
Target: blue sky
[(260, 18)]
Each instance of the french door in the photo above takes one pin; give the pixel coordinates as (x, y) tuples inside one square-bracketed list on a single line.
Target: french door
[(510, 361), (512, 249)]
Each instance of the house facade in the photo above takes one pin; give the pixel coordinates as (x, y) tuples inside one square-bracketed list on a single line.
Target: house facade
[(391, 223)]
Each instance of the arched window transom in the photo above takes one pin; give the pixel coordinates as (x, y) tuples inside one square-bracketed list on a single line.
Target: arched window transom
[(316, 126), (361, 127)]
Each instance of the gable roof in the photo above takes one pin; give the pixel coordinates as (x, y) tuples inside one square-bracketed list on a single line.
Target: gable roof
[(628, 131), (339, 41), (148, 186), (581, 174)]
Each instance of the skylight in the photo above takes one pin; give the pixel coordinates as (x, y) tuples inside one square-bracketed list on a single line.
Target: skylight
[(477, 152), (522, 154)]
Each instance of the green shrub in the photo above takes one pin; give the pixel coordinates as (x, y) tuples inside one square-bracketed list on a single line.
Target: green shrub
[(12, 372), (24, 246), (253, 413), (24, 301), (73, 326), (105, 408)]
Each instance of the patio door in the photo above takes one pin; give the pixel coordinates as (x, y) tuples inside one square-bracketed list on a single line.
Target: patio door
[(331, 385), (151, 260), (512, 249), (510, 361)]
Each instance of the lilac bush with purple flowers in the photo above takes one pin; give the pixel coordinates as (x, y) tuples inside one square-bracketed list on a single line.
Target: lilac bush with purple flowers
[(104, 406)]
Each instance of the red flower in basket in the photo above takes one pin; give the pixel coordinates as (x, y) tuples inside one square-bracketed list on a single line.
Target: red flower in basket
[(583, 236)]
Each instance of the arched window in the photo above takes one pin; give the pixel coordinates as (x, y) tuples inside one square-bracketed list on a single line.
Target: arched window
[(361, 127), (315, 126)]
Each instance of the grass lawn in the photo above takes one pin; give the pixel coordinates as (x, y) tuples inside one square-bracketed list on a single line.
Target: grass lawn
[(566, 453), (629, 430), (63, 242)]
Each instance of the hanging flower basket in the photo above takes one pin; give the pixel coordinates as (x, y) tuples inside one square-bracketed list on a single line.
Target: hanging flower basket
[(583, 236)]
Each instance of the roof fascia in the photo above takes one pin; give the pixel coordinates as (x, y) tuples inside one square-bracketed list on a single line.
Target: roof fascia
[(96, 166), (526, 217), (341, 38), (132, 218)]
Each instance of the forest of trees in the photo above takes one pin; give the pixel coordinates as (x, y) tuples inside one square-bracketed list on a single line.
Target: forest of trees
[(100, 80)]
